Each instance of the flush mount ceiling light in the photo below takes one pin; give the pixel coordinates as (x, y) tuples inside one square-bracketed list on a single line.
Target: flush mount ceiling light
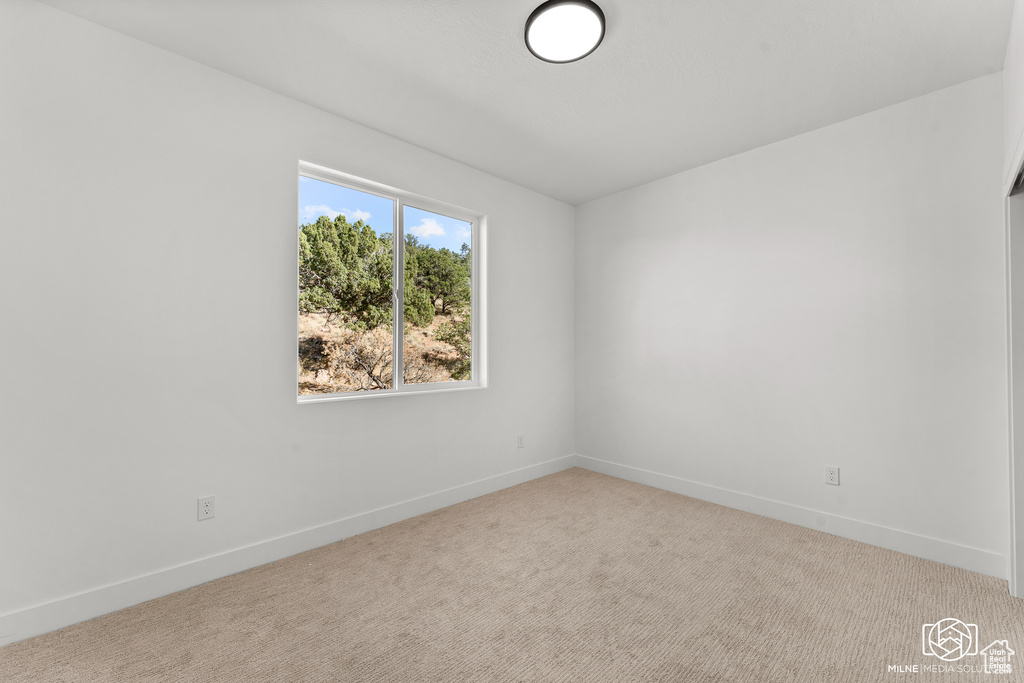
[(563, 31)]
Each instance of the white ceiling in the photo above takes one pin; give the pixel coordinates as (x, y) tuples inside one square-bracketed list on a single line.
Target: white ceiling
[(675, 84)]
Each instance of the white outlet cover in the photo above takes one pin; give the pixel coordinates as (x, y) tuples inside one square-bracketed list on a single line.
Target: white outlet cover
[(205, 508), (832, 475)]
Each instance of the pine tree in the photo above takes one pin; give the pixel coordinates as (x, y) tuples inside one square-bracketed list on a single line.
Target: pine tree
[(345, 271)]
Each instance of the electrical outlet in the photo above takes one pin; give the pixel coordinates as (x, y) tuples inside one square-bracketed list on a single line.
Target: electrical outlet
[(831, 475), (205, 508), (519, 441)]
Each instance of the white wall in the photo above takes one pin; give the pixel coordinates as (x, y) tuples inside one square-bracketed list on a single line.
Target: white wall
[(833, 299), (1013, 96), (147, 288), (1015, 253)]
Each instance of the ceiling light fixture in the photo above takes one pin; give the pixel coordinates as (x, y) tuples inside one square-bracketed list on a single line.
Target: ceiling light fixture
[(562, 31)]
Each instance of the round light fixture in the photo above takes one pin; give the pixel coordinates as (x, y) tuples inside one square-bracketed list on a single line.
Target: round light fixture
[(563, 31)]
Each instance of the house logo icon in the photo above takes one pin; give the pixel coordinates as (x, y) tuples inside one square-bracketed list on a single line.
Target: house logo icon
[(949, 639), (997, 658)]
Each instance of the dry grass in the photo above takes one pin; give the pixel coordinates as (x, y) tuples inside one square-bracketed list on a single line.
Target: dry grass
[(335, 359)]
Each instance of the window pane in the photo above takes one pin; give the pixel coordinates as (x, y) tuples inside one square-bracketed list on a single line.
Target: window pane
[(438, 298), (346, 311)]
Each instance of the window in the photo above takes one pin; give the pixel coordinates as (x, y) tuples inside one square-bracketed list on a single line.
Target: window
[(354, 238)]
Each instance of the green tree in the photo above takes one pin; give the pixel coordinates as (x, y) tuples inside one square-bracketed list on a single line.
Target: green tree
[(345, 271), (445, 276), (419, 309), (458, 334)]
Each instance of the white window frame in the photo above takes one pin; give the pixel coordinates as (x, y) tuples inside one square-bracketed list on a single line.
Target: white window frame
[(401, 199)]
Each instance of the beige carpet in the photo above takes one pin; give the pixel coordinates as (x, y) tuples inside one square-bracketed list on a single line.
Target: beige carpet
[(573, 577)]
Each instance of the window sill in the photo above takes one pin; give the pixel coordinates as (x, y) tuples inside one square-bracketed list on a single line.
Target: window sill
[(306, 399)]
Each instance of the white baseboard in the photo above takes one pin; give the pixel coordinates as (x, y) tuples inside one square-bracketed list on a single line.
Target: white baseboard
[(965, 557), (90, 604)]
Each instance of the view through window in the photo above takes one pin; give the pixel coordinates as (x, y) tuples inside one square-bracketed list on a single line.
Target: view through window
[(350, 299), (438, 297)]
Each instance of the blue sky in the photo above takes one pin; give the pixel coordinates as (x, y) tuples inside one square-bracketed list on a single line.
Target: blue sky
[(317, 198)]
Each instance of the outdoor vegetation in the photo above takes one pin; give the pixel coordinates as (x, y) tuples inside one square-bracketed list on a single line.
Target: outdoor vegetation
[(346, 310)]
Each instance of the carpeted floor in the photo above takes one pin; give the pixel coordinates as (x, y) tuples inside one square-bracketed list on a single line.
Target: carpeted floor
[(573, 577)]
